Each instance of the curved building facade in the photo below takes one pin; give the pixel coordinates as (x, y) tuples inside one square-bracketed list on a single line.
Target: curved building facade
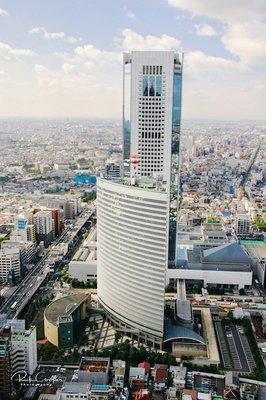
[(132, 253), (61, 317)]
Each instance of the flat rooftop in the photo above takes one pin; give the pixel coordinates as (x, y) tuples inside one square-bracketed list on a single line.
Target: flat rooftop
[(209, 334), (141, 183), (94, 364), (255, 248)]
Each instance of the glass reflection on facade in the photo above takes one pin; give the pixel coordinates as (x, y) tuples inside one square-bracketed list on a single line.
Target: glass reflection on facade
[(174, 183), (145, 86), (158, 85), (151, 86), (126, 118)]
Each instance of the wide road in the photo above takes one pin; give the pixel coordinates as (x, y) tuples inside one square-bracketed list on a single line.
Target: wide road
[(33, 280)]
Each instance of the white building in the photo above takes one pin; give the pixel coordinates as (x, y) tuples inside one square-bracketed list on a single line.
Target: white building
[(132, 225), (150, 84), (24, 351), (151, 123), (136, 223), (83, 265), (228, 265), (242, 224), (9, 261)]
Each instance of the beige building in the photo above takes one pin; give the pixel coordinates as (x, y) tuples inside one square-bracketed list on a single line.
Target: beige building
[(62, 316)]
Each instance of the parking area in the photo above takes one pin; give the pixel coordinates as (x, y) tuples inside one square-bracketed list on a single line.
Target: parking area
[(247, 354), (233, 346), (224, 354)]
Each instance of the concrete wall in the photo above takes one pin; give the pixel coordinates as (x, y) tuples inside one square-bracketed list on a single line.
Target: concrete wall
[(239, 278), (83, 270)]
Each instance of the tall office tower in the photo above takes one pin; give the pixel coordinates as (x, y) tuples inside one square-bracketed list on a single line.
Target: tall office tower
[(136, 219), (44, 227), (151, 122)]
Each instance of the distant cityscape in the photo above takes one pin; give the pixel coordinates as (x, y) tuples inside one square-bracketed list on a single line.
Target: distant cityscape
[(133, 251)]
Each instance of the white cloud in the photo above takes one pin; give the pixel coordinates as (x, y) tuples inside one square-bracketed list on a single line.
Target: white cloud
[(244, 24), (247, 41), (205, 30), (226, 10), (134, 41), (8, 53), (54, 35), (101, 57), (3, 13), (130, 14), (66, 67), (88, 50), (198, 62), (89, 64), (55, 81), (214, 87)]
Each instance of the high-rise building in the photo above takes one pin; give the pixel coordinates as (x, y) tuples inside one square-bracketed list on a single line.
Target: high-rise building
[(132, 257), (44, 226), (5, 368), (242, 224), (151, 122), (24, 351), (9, 261), (136, 219), (71, 208), (56, 221), (31, 233)]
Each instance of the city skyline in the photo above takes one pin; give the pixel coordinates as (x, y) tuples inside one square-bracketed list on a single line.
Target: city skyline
[(65, 59)]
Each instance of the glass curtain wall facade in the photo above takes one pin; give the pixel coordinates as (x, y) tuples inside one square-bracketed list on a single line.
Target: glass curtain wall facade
[(175, 160), (126, 118)]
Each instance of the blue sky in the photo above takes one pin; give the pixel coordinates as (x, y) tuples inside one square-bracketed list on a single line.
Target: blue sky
[(63, 57)]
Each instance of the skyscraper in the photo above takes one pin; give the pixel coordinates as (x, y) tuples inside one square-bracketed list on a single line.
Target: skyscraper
[(44, 226), (151, 122), (136, 218)]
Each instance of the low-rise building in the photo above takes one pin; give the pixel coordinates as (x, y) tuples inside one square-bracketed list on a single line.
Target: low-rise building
[(228, 265), (94, 370), (136, 378), (160, 376), (62, 316), (119, 370), (83, 265)]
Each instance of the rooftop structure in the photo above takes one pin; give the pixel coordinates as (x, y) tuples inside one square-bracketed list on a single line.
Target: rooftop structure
[(94, 370), (228, 264)]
